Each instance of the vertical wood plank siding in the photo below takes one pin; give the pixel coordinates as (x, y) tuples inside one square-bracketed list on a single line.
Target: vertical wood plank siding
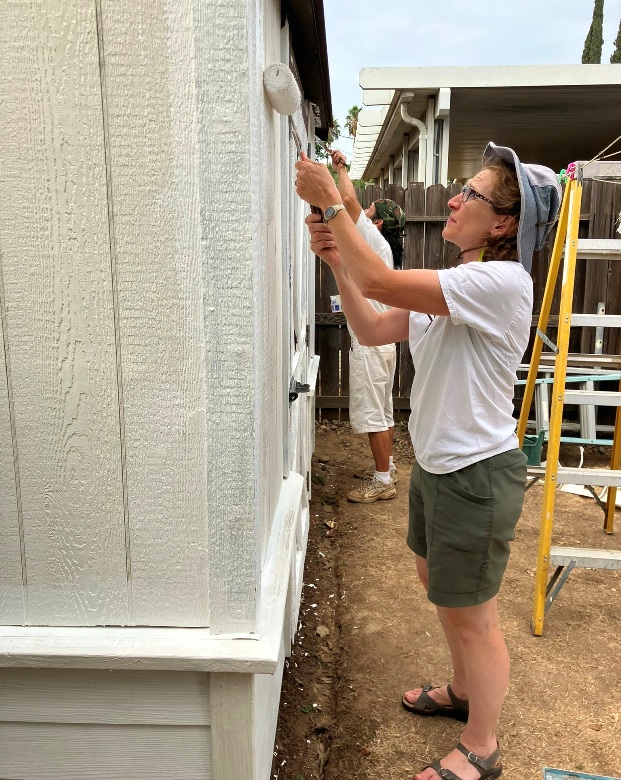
[(153, 304), (426, 211), (151, 128), (58, 315), (230, 141), (13, 568)]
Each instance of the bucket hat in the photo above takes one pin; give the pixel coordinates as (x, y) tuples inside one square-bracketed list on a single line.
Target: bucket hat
[(540, 200), (391, 213)]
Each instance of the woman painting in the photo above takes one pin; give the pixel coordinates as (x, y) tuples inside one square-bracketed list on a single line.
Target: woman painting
[(468, 328)]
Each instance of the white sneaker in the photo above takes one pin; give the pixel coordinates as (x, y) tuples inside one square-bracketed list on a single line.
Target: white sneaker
[(372, 490), (369, 473)]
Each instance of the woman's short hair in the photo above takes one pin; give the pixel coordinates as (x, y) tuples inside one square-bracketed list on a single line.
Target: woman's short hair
[(506, 200)]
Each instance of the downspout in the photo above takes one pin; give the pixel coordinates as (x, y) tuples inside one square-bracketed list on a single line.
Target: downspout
[(422, 139)]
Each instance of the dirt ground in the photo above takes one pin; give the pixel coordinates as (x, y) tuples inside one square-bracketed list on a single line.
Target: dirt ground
[(367, 633)]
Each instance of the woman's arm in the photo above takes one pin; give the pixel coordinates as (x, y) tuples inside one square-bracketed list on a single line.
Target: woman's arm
[(415, 290), (371, 327)]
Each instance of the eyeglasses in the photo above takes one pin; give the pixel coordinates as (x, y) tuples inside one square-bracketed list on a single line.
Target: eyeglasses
[(468, 192)]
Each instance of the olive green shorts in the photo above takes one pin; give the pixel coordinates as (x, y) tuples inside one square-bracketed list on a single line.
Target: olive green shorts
[(462, 524)]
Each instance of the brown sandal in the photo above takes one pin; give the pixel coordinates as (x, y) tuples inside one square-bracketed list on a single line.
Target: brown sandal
[(487, 768), (427, 706)]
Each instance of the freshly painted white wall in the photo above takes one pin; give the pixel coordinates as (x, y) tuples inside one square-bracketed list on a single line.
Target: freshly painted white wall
[(155, 293), (143, 280), (228, 137), (72, 724), (268, 148), (103, 317), (151, 129), (57, 313)]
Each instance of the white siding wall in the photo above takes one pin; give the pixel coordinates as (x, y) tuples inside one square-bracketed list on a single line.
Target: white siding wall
[(115, 725), (12, 590), (155, 281), (231, 143), (151, 128), (270, 379), (102, 306), (154, 308), (58, 317), (68, 725)]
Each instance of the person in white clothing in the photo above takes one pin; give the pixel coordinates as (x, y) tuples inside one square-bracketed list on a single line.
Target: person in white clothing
[(372, 368), (468, 328)]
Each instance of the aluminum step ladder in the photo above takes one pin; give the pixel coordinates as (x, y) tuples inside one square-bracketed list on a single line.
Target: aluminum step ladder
[(569, 248), (581, 374)]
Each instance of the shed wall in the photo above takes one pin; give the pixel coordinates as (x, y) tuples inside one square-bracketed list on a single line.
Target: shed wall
[(107, 725), (57, 315), (148, 79), (154, 308)]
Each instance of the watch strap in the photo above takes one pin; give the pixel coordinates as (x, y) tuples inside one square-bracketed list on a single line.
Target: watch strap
[(332, 211)]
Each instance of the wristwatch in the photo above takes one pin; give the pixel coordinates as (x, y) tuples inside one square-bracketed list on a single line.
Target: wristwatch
[(332, 211)]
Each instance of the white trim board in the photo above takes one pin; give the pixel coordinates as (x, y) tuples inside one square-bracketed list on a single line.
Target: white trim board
[(183, 649), (487, 76)]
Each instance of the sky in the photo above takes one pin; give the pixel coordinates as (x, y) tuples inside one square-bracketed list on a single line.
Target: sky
[(412, 33)]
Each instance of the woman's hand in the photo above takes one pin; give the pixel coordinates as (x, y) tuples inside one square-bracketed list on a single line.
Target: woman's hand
[(314, 183), (321, 241)]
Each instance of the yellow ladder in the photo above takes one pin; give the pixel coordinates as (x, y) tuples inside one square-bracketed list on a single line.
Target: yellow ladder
[(568, 246)]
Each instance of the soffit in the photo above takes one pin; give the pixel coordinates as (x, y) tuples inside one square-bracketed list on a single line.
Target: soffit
[(549, 125), (553, 125)]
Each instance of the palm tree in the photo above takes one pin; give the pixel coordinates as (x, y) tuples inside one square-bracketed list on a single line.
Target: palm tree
[(351, 121)]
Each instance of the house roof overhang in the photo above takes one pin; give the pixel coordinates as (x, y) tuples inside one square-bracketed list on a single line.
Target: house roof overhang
[(551, 115), (308, 40)]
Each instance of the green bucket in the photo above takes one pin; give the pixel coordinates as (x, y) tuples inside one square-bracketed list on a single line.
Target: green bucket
[(531, 447)]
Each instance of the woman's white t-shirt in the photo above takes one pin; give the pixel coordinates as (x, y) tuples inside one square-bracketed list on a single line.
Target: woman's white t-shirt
[(465, 365)]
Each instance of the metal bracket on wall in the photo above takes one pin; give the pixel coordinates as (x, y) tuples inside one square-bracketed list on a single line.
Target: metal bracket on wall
[(295, 388)]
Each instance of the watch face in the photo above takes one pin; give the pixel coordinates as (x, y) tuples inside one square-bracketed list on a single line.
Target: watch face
[(330, 212)]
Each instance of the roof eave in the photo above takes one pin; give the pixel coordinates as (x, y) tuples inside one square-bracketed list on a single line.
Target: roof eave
[(307, 29)]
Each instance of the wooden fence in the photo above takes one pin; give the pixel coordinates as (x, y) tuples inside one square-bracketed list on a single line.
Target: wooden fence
[(426, 212)]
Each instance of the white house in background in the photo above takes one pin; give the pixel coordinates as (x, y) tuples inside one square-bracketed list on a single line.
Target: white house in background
[(156, 297), (432, 124)]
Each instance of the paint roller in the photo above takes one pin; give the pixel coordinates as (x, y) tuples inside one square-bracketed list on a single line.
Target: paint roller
[(282, 89), (285, 97)]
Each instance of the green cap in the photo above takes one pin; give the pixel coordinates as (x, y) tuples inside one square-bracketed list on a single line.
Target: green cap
[(392, 214)]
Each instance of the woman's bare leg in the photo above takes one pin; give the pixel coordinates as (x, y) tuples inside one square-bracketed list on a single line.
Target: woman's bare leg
[(486, 666), (458, 682)]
